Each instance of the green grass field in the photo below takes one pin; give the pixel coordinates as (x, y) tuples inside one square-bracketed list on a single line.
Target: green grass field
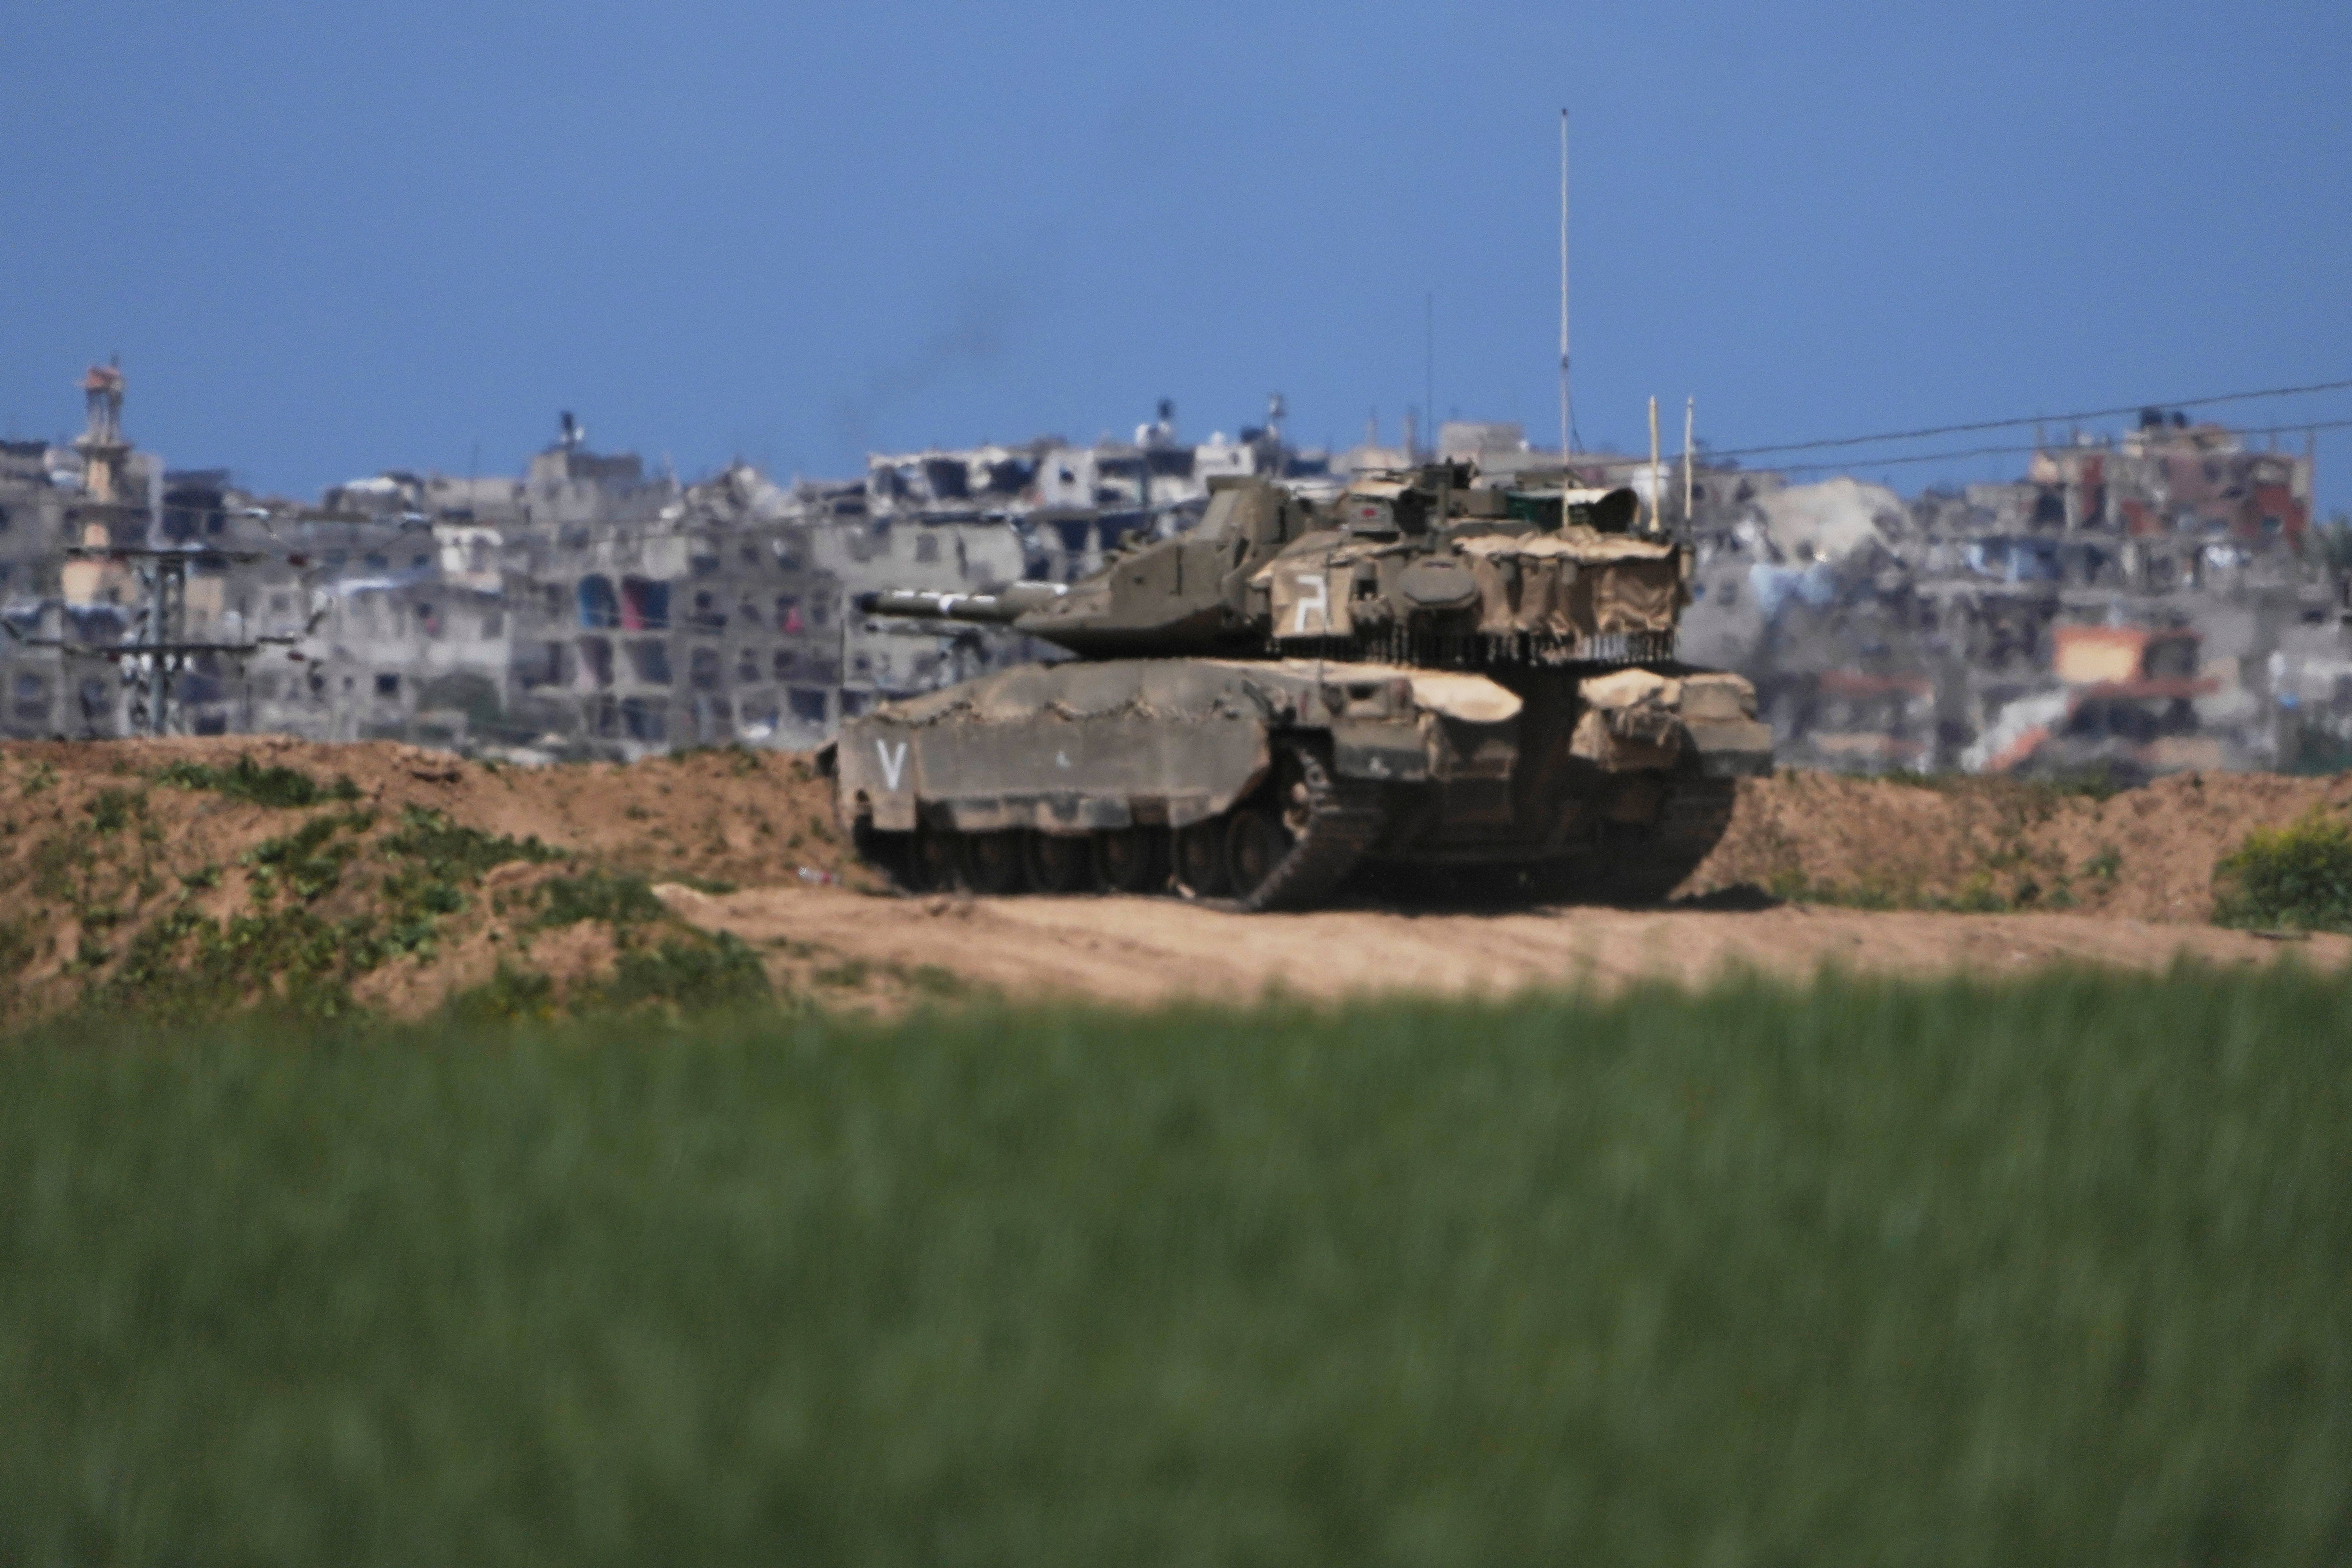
[(2057, 1272)]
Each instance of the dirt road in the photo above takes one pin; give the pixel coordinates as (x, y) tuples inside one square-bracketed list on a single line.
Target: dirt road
[(1139, 949)]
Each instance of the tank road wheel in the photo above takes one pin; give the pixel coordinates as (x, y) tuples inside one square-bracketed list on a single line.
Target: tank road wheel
[(1128, 860), (1060, 863), (993, 863), (935, 862), (1293, 846), (1257, 844), (1201, 866), (889, 851)]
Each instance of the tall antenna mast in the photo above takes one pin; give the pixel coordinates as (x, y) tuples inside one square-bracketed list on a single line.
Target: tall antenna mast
[(1690, 459), (1567, 407), (1429, 367), (1657, 484)]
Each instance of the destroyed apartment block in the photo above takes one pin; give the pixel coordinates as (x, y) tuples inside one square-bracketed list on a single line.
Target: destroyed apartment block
[(1835, 596)]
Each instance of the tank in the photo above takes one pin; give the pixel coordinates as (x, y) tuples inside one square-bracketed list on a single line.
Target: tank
[(1430, 678)]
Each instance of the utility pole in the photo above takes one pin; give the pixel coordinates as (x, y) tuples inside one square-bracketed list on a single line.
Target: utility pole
[(1567, 405)]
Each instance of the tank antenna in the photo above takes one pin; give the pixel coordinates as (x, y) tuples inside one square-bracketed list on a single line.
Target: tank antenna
[(1567, 405)]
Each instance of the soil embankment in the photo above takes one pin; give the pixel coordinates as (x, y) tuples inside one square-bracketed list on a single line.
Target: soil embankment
[(1991, 845), (392, 878)]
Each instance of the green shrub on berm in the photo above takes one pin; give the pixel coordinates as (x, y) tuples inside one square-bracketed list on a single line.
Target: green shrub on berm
[(2297, 878), (247, 781)]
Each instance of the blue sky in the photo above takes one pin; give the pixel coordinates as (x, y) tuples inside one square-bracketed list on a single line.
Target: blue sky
[(329, 239)]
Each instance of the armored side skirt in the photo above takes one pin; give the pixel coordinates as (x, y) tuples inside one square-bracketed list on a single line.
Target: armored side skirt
[(1083, 748)]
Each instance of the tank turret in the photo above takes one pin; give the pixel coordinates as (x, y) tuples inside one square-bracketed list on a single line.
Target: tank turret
[(1425, 568), (1430, 670)]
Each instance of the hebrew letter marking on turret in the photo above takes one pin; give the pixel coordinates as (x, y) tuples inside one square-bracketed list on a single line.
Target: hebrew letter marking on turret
[(1315, 595)]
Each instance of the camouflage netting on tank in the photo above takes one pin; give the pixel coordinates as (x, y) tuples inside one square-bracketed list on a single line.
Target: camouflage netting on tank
[(1577, 584)]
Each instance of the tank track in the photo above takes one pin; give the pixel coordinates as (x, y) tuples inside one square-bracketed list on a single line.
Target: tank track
[(1643, 868), (1341, 819)]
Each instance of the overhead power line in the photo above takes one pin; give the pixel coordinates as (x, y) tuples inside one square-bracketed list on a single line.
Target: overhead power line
[(2014, 451), (2035, 419)]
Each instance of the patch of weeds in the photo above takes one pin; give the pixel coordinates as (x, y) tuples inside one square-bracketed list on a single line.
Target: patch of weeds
[(2096, 785), (53, 863), (38, 777), (310, 860), (689, 974), (442, 859), (2296, 878), (201, 879), (848, 974), (2007, 854), (90, 952), (930, 980), (110, 810), (509, 995), (1977, 895), (597, 896), (2103, 867), (451, 849), (186, 965), (634, 812), (247, 781), (715, 887), (17, 948)]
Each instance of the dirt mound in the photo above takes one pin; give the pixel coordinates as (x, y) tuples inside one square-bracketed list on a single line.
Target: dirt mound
[(1985, 844), (204, 872)]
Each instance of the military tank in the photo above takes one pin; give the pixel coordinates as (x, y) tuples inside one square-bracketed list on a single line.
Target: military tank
[(1430, 674)]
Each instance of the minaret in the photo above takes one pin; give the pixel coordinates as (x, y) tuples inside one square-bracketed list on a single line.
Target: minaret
[(105, 479), (101, 444)]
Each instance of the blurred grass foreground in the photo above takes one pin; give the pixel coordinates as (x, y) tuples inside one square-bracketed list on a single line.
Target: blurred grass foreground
[(2050, 1272)]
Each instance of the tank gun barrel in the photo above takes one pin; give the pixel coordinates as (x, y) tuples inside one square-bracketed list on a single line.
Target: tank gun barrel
[(1000, 608)]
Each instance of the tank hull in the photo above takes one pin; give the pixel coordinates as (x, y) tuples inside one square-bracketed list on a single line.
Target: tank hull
[(1264, 783)]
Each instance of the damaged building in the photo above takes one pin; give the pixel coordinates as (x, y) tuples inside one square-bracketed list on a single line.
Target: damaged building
[(1946, 631)]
